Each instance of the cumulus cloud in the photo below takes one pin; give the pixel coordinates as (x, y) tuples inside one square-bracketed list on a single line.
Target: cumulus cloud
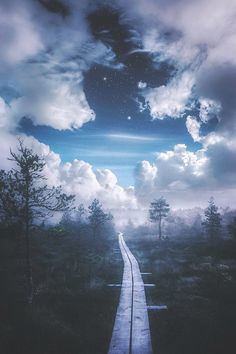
[(219, 84), (47, 71), (208, 109), (170, 100), (20, 38), (142, 84), (145, 177), (177, 169), (191, 24), (44, 67), (54, 103), (79, 178), (197, 37), (193, 127), (5, 119), (188, 177)]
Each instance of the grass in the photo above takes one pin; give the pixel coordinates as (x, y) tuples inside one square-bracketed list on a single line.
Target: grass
[(196, 279), (73, 310)]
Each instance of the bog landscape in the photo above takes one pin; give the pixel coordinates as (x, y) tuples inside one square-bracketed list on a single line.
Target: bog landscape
[(117, 177)]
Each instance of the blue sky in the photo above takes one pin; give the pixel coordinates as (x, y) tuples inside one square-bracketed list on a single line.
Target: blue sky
[(117, 149), (125, 93), (121, 134), (117, 143)]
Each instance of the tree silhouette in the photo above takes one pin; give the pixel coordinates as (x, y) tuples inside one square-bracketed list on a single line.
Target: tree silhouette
[(212, 221), (25, 197), (232, 228), (158, 210), (97, 217)]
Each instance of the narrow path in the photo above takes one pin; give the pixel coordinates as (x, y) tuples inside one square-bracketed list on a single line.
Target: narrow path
[(131, 332)]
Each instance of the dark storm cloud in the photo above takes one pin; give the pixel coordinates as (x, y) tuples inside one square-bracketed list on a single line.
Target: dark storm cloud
[(219, 83), (223, 163), (106, 25), (112, 27), (56, 6), (64, 57)]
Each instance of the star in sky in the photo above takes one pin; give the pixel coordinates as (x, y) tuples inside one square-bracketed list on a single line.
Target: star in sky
[(129, 89)]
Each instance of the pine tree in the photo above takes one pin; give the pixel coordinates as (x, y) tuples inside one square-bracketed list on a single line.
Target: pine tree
[(212, 221), (232, 228), (97, 216), (25, 197), (159, 209)]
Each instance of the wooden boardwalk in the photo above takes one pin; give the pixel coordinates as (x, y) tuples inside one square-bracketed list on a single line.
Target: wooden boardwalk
[(131, 333)]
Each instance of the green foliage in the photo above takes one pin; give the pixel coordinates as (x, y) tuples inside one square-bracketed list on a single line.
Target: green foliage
[(212, 221)]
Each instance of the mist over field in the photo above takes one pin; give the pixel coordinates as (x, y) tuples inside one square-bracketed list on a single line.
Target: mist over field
[(117, 176)]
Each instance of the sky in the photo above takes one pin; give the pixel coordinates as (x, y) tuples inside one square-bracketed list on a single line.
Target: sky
[(129, 100)]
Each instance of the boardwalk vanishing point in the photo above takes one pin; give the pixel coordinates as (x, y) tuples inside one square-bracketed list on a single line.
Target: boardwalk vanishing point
[(131, 332)]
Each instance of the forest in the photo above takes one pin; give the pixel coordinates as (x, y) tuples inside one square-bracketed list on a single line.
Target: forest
[(117, 176), (59, 260)]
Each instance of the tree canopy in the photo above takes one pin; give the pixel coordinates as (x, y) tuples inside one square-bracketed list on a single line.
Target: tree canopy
[(158, 210), (25, 197), (212, 221), (97, 217)]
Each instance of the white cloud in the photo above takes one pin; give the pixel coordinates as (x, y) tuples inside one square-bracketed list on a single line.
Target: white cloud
[(175, 174), (188, 178), (54, 103), (44, 67), (79, 178), (193, 127), (4, 115), (197, 36), (194, 44), (142, 84), (173, 51), (106, 178), (170, 100), (195, 23), (208, 109), (132, 137), (20, 38)]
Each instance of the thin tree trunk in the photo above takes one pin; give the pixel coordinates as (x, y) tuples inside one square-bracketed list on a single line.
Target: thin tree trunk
[(29, 273), (159, 228)]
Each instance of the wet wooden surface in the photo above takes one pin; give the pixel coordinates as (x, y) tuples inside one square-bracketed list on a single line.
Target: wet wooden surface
[(131, 333)]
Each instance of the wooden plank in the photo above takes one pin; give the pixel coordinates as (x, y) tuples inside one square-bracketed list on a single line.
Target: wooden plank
[(114, 285), (146, 273), (120, 341), (157, 307), (131, 333), (141, 338)]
